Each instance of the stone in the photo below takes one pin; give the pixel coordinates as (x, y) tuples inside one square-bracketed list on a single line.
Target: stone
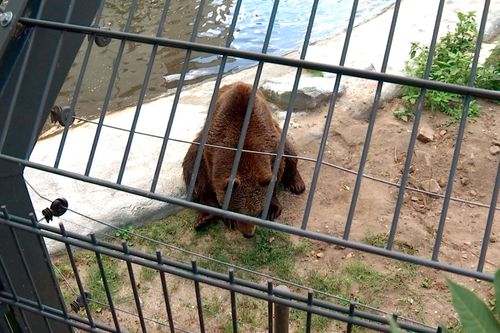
[(311, 93), (495, 150), (431, 185), (442, 182), (496, 143), (442, 132), (473, 193), (320, 255), (414, 199), (425, 134), (464, 181)]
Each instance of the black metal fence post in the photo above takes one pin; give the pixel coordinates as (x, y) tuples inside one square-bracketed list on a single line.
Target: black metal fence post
[(25, 72)]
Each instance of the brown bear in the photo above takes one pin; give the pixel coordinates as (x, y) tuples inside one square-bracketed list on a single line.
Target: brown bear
[(254, 170)]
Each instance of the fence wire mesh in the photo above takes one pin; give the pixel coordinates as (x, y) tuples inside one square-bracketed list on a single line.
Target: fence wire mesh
[(29, 22)]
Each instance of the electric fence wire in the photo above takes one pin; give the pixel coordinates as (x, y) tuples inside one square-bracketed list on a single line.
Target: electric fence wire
[(303, 158), (229, 265)]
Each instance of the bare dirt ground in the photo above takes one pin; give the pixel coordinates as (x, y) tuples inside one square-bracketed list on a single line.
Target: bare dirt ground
[(418, 293)]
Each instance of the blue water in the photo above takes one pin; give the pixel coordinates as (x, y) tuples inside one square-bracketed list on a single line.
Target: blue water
[(288, 35)]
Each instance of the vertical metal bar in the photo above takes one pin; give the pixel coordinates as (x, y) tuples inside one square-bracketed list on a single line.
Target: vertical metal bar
[(270, 306), (284, 131), (78, 86), (177, 97), (48, 86), (282, 313), (29, 275), (352, 306), (233, 303), (461, 130), (371, 124), (134, 289), (107, 98), (416, 123), (105, 284), (144, 88), (211, 108), (489, 221), (165, 293), (197, 291), (309, 315), (395, 316), (22, 75), (329, 117), (77, 277)]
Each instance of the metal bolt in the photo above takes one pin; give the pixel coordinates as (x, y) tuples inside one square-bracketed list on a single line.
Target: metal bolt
[(5, 18)]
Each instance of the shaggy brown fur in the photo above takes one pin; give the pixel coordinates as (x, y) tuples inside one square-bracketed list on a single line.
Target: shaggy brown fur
[(254, 171)]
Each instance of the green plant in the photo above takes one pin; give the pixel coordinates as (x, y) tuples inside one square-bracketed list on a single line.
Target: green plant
[(125, 234), (489, 75), (451, 64), (474, 314)]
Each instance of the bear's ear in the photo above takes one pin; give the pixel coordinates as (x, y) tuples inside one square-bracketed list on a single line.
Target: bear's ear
[(236, 182), (265, 178)]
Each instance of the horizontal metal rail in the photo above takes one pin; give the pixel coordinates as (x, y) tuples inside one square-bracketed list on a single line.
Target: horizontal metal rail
[(348, 71), (259, 222)]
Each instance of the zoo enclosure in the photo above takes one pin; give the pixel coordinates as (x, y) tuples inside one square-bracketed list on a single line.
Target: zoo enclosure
[(50, 33)]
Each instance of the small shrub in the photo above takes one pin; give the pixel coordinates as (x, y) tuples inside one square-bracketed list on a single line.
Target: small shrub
[(451, 64)]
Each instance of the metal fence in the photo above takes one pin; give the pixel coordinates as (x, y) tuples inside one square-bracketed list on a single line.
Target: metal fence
[(50, 32)]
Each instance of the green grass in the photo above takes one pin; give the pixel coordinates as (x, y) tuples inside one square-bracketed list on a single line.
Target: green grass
[(94, 283), (364, 275), (65, 269), (330, 283), (212, 306), (315, 72), (378, 240), (319, 324), (147, 274)]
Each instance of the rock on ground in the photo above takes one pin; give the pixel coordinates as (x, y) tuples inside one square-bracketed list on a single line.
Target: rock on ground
[(431, 185), (312, 92), (425, 134)]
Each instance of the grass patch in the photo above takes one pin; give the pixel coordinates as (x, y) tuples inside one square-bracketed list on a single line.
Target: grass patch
[(364, 275), (94, 282), (319, 324), (212, 307), (329, 283), (272, 249), (378, 240), (169, 230), (65, 269), (147, 274), (315, 72), (269, 249), (251, 311)]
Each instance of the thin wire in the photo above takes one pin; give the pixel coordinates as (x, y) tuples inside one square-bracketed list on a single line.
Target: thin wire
[(302, 158), (107, 305), (263, 275)]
